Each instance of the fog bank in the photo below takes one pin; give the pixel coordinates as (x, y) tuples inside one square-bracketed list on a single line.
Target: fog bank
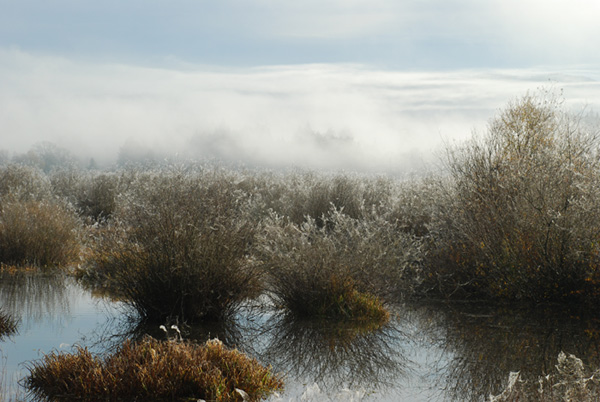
[(318, 116)]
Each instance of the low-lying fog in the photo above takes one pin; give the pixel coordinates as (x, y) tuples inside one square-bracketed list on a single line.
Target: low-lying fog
[(319, 116)]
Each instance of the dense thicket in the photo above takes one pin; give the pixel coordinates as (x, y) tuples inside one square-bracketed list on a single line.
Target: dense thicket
[(521, 215), (178, 245)]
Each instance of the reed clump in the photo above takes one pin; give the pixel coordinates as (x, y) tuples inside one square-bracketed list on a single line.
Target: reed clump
[(36, 228), (179, 246), (151, 370), (346, 269)]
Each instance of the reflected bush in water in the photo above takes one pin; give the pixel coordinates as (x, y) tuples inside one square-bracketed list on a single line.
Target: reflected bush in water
[(478, 346), (150, 370), (313, 393), (571, 381), (8, 326), (344, 269), (335, 354), (230, 331), (179, 247), (35, 296)]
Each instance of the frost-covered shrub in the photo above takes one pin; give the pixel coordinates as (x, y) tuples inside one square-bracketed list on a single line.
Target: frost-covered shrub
[(23, 183), (47, 157), (93, 194), (97, 198), (343, 269), (312, 195), (411, 204), (36, 227), (520, 213)]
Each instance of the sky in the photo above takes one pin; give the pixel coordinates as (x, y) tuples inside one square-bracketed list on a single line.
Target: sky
[(378, 85)]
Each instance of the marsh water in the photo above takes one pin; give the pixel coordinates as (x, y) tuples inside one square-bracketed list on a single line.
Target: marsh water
[(429, 352)]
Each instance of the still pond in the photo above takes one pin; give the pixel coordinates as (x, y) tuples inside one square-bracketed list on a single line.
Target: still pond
[(429, 352)]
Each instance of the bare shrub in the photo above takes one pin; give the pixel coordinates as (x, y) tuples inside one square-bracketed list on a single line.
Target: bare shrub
[(332, 271), (521, 212), (65, 183), (179, 246), (98, 198)]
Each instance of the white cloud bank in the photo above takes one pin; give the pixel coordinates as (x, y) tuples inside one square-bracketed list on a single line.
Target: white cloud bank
[(321, 116)]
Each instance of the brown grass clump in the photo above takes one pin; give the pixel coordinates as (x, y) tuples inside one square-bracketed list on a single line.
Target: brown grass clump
[(151, 370), (37, 233), (341, 300)]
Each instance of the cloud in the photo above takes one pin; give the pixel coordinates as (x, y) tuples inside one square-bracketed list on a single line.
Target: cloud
[(502, 24), (327, 19), (409, 33), (548, 31), (321, 115)]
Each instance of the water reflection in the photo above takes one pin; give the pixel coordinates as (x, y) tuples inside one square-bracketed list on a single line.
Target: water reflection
[(333, 355), (8, 325), (478, 346), (35, 297), (53, 313), (231, 332), (461, 352)]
